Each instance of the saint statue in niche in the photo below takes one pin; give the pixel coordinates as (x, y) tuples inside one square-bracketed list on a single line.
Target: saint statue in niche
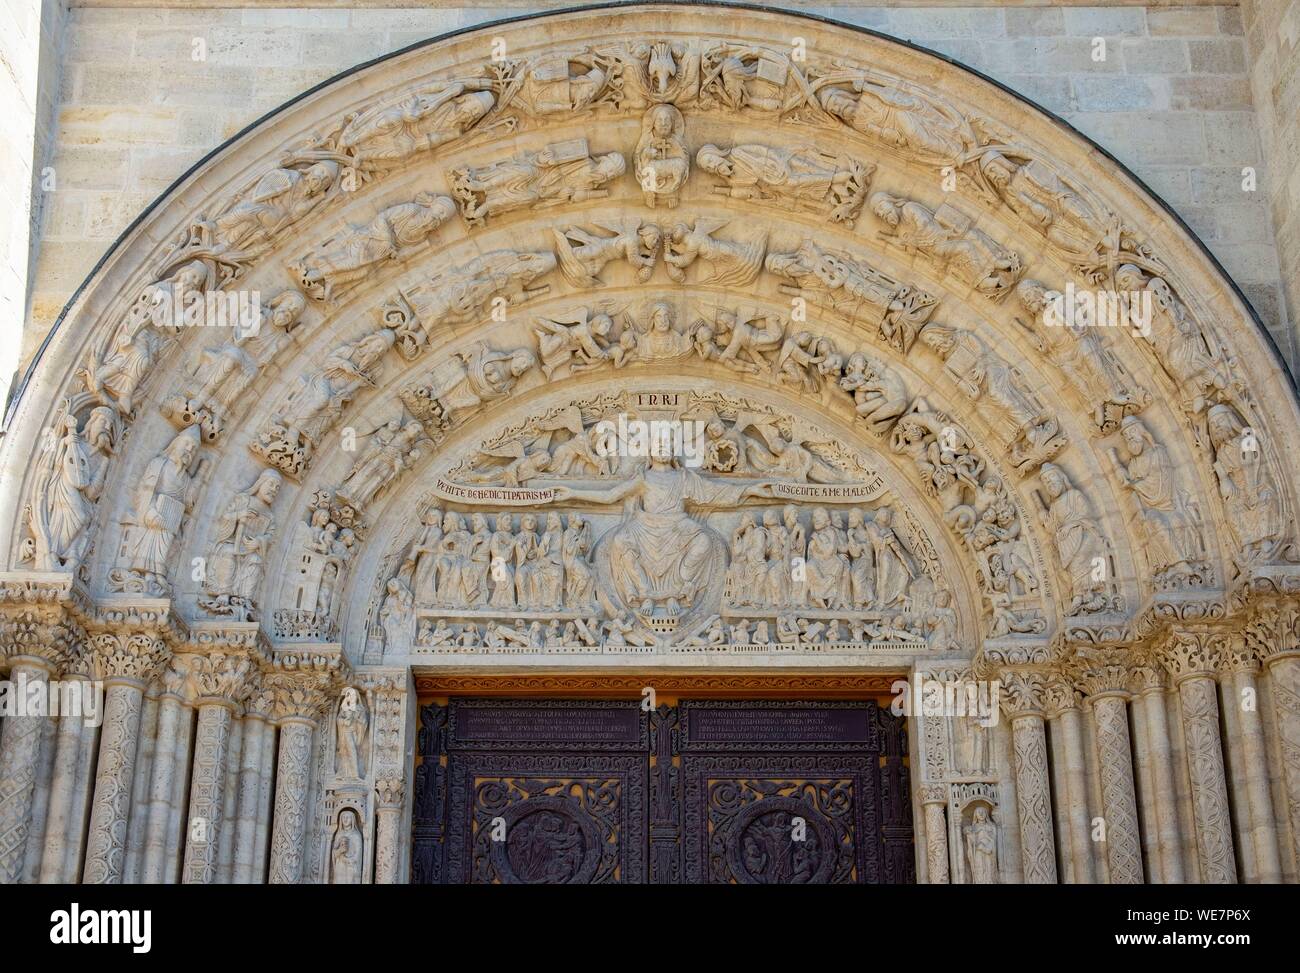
[(345, 852), (982, 847), (350, 732)]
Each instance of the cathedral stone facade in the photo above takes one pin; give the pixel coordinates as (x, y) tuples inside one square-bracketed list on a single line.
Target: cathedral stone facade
[(653, 443)]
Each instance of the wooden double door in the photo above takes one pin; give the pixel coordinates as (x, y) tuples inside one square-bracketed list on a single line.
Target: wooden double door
[(554, 791)]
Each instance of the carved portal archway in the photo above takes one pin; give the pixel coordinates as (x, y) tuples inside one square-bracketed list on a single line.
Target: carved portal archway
[(479, 263)]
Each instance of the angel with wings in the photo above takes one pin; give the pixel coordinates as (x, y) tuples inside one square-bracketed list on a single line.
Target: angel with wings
[(786, 457), (733, 263), (582, 255)]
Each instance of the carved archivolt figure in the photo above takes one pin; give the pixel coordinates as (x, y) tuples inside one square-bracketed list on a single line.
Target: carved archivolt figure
[(1080, 545), (458, 295), (346, 858), (342, 262), (238, 555), (397, 618), (561, 173), (734, 263), (281, 198), (1045, 201), (291, 438), (478, 375), (119, 365), (1195, 362), (1170, 523), (860, 293), (661, 160), (945, 235), (879, 396), (579, 341), (898, 118), (350, 727), (564, 82), (1250, 495), (981, 839), (163, 497), (219, 374), (742, 77), (799, 178), (1081, 354), (67, 489), (986, 376), (422, 120), (582, 255), (394, 448)]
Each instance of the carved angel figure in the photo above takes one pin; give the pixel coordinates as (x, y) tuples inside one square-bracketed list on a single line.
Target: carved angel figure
[(560, 173), (579, 342), (582, 254), (734, 263), (478, 375), (799, 178), (343, 261)]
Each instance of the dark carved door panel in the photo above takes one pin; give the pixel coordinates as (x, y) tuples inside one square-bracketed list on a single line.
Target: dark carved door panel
[(563, 791)]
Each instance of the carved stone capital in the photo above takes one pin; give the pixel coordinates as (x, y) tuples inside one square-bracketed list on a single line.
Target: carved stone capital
[(1058, 696), (934, 794), (1102, 672), (1238, 654), (1022, 693), (221, 677), (38, 621), (390, 792), (1148, 677), (137, 656), (1273, 631), (302, 684), (1189, 654)]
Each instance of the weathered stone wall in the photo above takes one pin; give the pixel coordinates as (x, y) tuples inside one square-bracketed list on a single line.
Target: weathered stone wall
[(1273, 34), (147, 91)]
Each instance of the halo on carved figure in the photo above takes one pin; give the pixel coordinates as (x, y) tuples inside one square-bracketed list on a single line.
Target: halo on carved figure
[(917, 324)]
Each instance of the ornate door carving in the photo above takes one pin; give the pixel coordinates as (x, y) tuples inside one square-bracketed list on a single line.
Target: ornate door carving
[(596, 791)]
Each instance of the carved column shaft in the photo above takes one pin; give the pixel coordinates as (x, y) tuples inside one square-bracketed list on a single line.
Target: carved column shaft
[(1284, 685), (207, 786), (1033, 798), (293, 775), (230, 803), (137, 823), (262, 829), (63, 787), (161, 787), (19, 751), (1070, 722), (119, 738), (1160, 761), (936, 837), (1114, 754), (246, 867), (388, 837)]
